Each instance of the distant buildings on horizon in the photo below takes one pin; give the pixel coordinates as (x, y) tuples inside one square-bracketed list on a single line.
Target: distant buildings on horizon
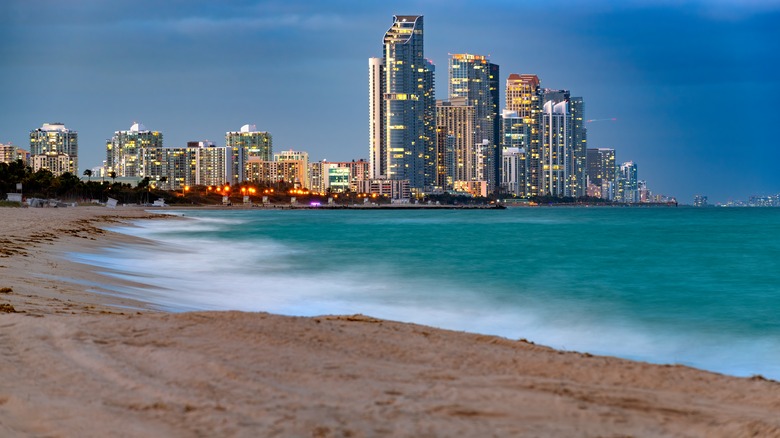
[(465, 144)]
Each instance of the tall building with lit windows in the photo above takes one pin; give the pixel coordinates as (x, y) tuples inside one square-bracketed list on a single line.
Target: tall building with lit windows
[(602, 170), (55, 140), (169, 168), (628, 183), (377, 148), (300, 157), (8, 153), (473, 77), (579, 147), (524, 96), (124, 148), (245, 143), (456, 122), (556, 149), (515, 143), (402, 107), (212, 163)]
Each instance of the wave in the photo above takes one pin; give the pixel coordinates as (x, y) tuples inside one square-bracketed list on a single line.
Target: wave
[(204, 263)]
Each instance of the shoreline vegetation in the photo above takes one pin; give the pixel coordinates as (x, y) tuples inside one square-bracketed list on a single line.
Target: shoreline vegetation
[(81, 361), (44, 188)]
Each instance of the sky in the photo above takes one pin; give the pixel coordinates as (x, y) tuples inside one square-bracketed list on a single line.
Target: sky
[(694, 86)]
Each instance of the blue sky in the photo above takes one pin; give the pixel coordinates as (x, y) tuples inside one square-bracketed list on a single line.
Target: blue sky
[(694, 85)]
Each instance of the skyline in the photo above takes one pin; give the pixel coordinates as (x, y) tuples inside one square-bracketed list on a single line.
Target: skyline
[(685, 81)]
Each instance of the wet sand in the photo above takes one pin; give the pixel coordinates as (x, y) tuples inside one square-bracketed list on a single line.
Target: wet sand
[(78, 361)]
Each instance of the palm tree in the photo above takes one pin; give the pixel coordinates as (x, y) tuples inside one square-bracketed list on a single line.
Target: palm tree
[(88, 174), (112, 175)]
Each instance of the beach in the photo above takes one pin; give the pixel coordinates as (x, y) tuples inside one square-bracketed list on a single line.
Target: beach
[(80, 361)]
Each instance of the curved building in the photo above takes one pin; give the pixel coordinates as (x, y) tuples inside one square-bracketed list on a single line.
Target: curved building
[(402, 107)]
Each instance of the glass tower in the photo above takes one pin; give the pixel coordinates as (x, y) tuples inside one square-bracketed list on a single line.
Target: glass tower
[(523, 96), (408, 106), (473, 77)]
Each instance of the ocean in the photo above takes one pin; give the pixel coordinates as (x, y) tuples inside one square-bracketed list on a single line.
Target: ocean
[(698, 287)]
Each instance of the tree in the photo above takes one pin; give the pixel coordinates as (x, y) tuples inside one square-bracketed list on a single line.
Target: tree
[(112, 175), (88, 174)]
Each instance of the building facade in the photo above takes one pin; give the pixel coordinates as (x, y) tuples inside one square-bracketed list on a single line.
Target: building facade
[(515, 143), (123, 150), (244, 143), (302, 158), (52, 139), (10, 153), (212, 163), (513, 171), (402, 131), (523, 96), (601, 172), (627, 183), (339, 176), (579, 147), (556, 149), (473, 77), (456, 123), (55, 162)]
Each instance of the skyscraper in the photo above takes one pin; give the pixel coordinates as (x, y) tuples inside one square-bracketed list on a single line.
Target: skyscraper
[(124, 148), (601, 172), (456, 119), (516, 136), (579, 147), (523, 95), (495, 95), (54, 139), (556, 149), (405, 120), (244, 143), (377, 149), (628, 183), (471, 77)]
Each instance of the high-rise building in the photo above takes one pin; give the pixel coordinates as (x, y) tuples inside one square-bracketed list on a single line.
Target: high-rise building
[(628, 183), (456, 119), (302, 158), (169, 168), (556, 149), (292, 172), (471, 77), (213, 163), (406, 150), (601, 171), (495, 96), (8, 153), (377, 148), (513, 172), (429, 126), (523, 95), (579, 147), (516, 136), (244, 143), (445, 157), (54, 139), (123, 149)]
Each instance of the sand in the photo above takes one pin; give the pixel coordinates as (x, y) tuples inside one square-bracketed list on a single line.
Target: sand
[(77, 362)]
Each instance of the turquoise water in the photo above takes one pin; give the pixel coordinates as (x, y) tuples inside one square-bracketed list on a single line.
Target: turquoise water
[(699, 287)]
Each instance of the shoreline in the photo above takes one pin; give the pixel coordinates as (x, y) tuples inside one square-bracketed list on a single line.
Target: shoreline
[(81, 362)]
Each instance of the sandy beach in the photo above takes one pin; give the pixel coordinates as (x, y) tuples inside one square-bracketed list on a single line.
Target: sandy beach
[(80, 362)]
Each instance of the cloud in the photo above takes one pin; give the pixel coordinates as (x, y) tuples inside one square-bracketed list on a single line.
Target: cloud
[(199, 25)]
